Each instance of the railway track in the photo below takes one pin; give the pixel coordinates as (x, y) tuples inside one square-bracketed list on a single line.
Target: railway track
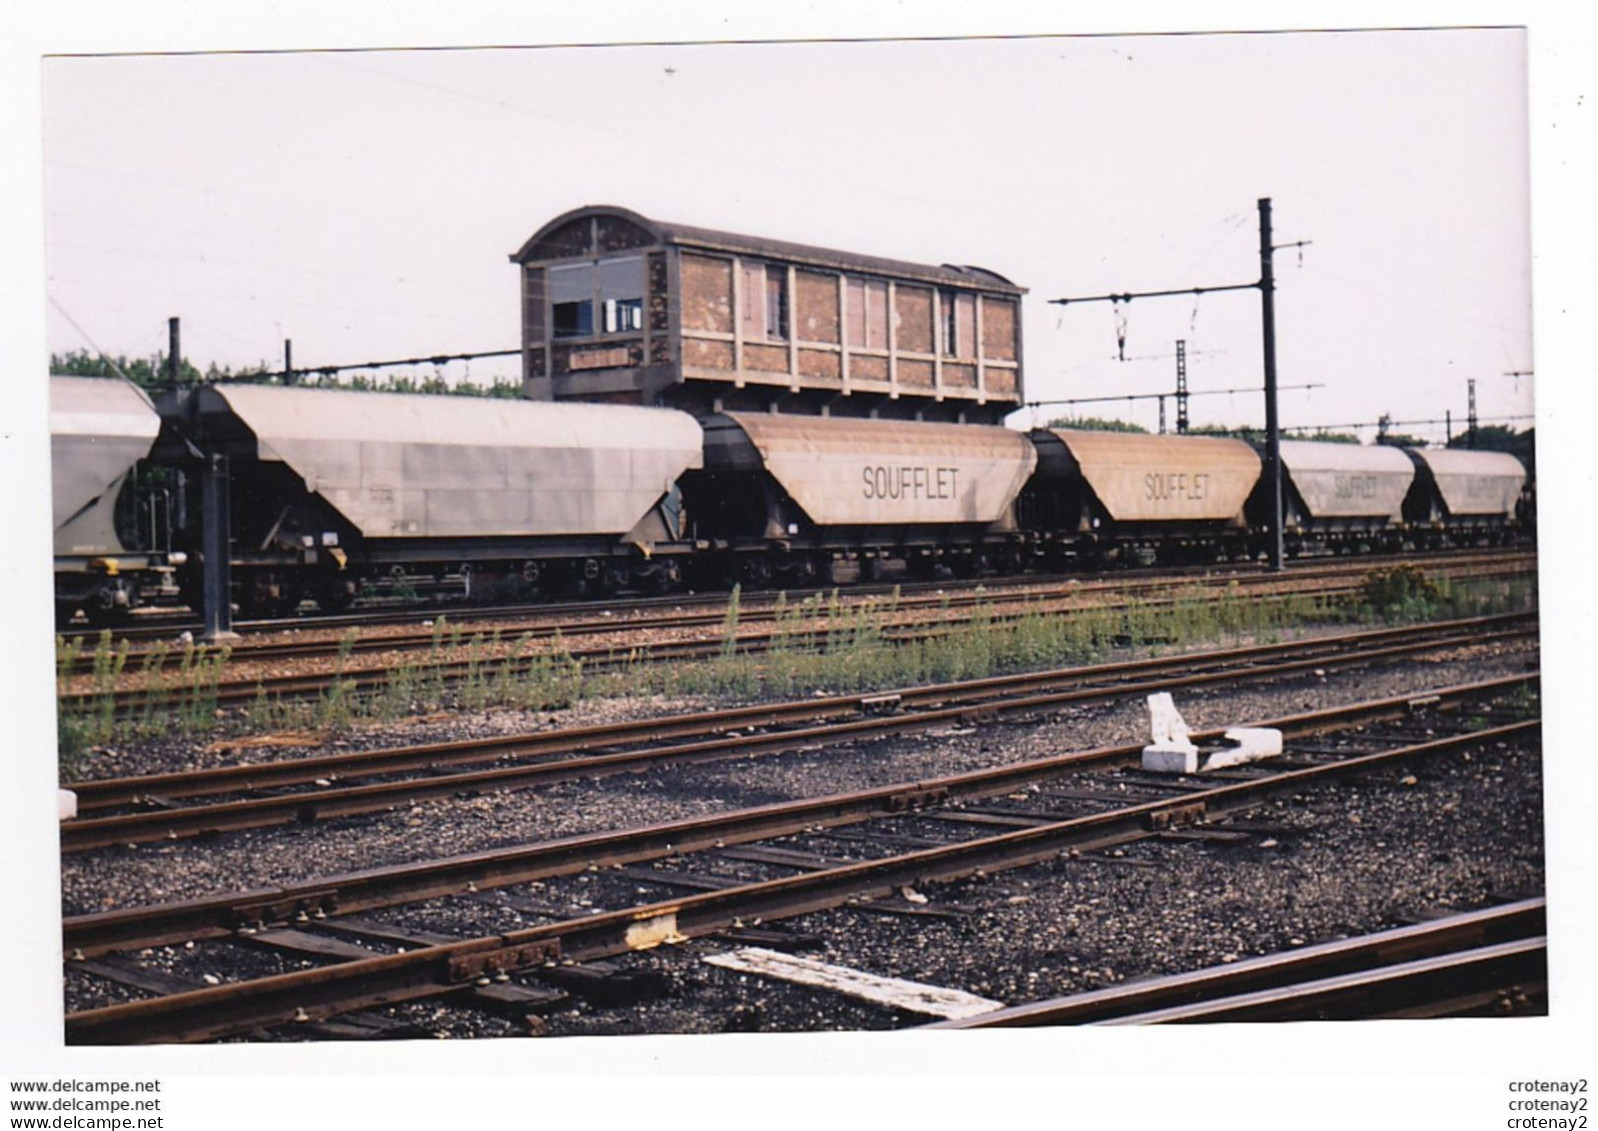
[(262, 638), (1491, 961), (1040, 808), (909, 620), (485, 617), (334, 781)]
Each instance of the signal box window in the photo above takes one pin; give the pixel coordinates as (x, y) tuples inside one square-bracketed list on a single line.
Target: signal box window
[(867, 326), (777, 303), (621, 294), (571, 299), (612, 288), (764, 297), (574, 319), (624, 315), (959, 324)]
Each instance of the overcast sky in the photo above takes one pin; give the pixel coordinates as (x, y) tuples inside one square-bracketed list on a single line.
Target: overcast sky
[(363, 204)]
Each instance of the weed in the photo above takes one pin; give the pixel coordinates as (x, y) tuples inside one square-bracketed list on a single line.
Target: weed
[(157, 703), (205, 675), (72, 743), (473, 692), (108, 665), (729, 625), (1400, 593), (819, 644)]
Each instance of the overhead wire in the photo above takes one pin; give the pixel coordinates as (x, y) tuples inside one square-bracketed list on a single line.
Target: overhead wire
[(103, 356)]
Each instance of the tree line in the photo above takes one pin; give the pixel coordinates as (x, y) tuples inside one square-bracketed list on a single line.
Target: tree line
[(151, 374)]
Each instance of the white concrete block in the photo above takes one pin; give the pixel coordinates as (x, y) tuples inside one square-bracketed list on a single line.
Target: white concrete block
[(1249, 744), (1171, 751), (1167, 730), (66, 804), (1171, 759)]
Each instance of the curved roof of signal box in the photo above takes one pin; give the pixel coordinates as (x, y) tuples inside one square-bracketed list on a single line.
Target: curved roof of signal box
[(709, 239)]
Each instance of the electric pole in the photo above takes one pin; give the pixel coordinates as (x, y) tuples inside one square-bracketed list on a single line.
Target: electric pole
[(1273, 435), (174, 351), (1267, 287)]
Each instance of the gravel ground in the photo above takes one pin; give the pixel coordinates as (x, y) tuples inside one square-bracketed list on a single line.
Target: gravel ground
[(1332, 862), (133, 875), (173, 754), (1337, 861)]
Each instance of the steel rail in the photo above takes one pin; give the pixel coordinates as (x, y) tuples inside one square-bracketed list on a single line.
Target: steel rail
[(471, 614), (252, 651), (446, 968), (624, 617), (380, 887), (1506, 922), (104, 793), (755, 604), (1438, 986), (128, 700), (96, 794), (678, 613), (628, 606), (88, 832)]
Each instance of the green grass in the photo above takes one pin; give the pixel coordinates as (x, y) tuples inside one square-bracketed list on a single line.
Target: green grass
[(180, 696), (819, 645)]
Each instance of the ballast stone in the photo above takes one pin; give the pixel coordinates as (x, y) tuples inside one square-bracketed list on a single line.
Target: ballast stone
[(66, 804)]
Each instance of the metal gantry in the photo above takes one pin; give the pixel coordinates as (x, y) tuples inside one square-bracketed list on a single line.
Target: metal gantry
[(1181, 389), (1266, 285)]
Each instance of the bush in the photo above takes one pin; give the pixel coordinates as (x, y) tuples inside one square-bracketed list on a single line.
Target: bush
[(1402, 592)]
